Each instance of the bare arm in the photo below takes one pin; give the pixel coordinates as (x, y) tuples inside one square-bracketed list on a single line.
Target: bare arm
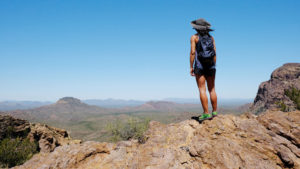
[(192, 54)]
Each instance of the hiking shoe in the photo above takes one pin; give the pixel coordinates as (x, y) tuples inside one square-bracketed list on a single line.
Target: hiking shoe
[(215, 113), (205, 117)]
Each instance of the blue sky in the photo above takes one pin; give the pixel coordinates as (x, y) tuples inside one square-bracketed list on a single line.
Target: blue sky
[(139, 49)]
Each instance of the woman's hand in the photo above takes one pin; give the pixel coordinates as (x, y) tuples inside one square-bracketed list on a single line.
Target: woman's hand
[(192, 72)]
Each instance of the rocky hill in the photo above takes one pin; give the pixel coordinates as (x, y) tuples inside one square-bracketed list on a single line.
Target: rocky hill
[(271, 93), (270, 140), (65, 109)]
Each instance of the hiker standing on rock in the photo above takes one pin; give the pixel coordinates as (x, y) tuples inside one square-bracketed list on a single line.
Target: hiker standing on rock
[(203, 65)]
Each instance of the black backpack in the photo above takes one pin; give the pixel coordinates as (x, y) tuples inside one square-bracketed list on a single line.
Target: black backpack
[(205, 50)]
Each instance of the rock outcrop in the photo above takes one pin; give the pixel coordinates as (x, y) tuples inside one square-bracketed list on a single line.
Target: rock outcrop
[(47, 137), (270, 140), (10, 126), (271, 92)]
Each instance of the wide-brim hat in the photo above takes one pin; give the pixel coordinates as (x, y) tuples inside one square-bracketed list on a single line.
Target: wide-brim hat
[(201, 24)]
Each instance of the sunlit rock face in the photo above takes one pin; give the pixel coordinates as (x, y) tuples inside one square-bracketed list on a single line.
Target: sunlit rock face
[(271, 92)]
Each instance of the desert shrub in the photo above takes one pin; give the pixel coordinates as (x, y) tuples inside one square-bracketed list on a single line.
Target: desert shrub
[(283, 107), (114, 129), (294, 95), (15, 151), (9, 132), (133, 128)]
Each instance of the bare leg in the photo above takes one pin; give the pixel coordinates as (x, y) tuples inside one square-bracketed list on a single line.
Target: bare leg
[(202, 90), (212, 91)]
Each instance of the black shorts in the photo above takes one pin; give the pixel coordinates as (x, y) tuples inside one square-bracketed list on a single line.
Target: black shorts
[(205, 72)]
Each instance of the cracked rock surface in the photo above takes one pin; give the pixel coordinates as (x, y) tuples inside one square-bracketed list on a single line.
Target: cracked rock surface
[(270, 140)]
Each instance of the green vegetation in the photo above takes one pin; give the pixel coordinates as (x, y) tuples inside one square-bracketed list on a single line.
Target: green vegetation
[(294, 95), (134, 128), (15, 151), (283, 107)]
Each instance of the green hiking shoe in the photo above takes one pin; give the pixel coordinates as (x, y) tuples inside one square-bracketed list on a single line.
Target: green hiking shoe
[(205, 117), (215, 113)]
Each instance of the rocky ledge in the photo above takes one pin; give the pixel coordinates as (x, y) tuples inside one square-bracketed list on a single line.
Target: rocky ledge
[(270, 140)]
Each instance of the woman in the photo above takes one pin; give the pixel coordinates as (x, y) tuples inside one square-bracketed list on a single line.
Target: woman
[(203, 65)]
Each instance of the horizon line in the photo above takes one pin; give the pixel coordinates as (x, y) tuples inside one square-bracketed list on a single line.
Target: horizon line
[(164, 99)]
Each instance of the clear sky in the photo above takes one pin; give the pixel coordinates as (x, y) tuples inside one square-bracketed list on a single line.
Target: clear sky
[(94, 49)]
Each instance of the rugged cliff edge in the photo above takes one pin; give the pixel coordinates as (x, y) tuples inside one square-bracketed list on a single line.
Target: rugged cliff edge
[(270, 140)]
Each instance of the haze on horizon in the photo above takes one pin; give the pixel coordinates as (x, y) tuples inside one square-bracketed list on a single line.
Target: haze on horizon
[(139, 50)]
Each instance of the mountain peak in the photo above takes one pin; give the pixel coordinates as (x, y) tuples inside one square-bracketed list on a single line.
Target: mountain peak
[(69, 100)]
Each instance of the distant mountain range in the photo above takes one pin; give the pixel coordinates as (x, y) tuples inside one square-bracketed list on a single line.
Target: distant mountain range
[(14, 105), (221, 102), (73, 110), (89, 121), (115, 103), (65, 109)]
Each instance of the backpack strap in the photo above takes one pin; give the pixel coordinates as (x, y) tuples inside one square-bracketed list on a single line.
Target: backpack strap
[(200, 37), (200, 41)]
